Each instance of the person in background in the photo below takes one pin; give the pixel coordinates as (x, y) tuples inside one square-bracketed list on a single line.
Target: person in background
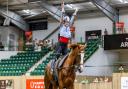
[(96, 80), (49, 44), (45, 43), (1, 46), (39, 45), (35, 43), (105, 32)]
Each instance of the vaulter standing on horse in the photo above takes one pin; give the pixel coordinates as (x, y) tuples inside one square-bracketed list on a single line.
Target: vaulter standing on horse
[(65, 34)]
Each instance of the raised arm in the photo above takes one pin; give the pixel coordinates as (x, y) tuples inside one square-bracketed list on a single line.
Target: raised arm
[(73, 17), (63, 12)]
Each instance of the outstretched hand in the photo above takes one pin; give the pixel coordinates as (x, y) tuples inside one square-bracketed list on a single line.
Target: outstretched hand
[(76, 10), (62, 6)]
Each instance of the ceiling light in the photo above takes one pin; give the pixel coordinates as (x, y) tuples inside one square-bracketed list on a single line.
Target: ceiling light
[(90, 3), (69, 6), (123, 1), (126, 1), (26, 11)]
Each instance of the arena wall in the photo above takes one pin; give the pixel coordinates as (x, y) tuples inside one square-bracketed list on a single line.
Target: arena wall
[(28, 82), (117, 84), (123, 56), (104, 85), (5, 32), (7, 54), (100, 63), (37, 82)]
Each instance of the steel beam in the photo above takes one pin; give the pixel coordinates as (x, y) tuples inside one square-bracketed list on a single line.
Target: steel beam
[(7, 21), (108, 10), (14, 18), (55, 12), (57, 2)]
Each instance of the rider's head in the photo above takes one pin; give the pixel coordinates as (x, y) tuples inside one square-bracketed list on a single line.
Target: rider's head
[(66, 18)]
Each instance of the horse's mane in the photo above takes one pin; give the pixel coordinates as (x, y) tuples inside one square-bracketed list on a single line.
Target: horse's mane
[(71, 59)]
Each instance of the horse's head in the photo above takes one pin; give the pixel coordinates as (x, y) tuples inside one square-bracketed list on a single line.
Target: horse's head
[(78, 50)]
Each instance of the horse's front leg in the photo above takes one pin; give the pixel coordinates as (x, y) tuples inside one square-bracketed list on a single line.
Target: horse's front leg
[(71, 87), (61, 85), (54, 86)]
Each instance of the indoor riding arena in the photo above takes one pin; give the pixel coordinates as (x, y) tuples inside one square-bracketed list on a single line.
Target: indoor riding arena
[(63, 44)]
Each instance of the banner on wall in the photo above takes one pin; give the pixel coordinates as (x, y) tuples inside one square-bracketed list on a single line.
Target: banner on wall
[(35, 84), (118, 41), (28, 35), (120, 25), (6, 84), (124, 82), (94, 34)]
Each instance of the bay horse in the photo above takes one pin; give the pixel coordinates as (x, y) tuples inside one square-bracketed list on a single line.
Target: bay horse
[(67, 73)]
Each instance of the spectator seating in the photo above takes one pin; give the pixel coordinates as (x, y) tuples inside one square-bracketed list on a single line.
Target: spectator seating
[(19, 64), (92, 46), (41, 68)]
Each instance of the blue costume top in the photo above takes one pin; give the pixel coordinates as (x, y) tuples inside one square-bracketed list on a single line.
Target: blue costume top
[(65, 31)]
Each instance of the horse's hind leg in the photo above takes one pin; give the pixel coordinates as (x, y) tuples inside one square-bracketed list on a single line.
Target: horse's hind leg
[(46, 83)]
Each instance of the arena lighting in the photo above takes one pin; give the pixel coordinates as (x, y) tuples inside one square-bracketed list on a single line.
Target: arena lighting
[(71, 6), (123, 1), (26, 11), (90, 3)]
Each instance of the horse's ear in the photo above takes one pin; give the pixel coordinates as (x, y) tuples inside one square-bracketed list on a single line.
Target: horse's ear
[(82, 47), (72, 46)]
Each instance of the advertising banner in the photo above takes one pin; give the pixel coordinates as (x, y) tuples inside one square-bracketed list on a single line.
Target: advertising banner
[(6, 84), (118, 41), (124, 82), (35, 84), (94, 34)]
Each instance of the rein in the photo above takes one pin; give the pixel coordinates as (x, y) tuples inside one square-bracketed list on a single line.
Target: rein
[(76, 66)]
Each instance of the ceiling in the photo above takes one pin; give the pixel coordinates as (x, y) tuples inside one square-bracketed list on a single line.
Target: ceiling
[(29, 9)]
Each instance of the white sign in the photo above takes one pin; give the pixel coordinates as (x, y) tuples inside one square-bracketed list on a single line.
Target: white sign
[(124, 82)]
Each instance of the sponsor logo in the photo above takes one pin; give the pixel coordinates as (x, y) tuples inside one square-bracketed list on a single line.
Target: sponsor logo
[(34, 84), (124, 44), (6, 84)]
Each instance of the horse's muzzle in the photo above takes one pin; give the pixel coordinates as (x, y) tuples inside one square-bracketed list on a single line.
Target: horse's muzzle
[(81, 68)]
